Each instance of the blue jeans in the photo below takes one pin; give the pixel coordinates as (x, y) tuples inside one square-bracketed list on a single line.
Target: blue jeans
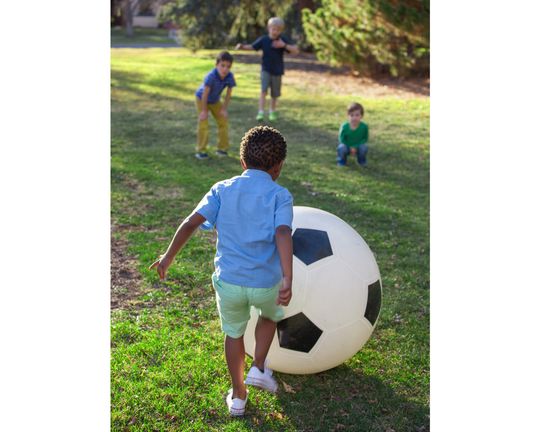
[(343, 151)]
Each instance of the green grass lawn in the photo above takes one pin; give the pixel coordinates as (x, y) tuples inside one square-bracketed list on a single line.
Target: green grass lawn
[(140, 32), (168, 369), (141, 36)]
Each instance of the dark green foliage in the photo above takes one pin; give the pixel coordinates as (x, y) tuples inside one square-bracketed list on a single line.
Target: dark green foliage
[(372, 36), (252, 17), (217, 24), (204, 24), (411, 16)]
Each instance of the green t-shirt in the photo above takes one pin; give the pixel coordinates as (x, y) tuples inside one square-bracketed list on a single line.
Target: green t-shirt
[(353, 138)]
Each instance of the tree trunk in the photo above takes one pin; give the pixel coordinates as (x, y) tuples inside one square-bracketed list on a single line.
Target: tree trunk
[(131, 6)]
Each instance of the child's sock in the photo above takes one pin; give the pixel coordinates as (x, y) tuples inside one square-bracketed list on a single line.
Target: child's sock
[(261, 112), (271, 111)]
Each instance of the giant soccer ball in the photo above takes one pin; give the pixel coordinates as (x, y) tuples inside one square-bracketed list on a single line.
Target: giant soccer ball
[(336, 297)]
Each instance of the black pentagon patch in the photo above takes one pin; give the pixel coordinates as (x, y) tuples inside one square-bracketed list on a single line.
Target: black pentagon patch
[(298, 333), (310, 245), (374, 302)]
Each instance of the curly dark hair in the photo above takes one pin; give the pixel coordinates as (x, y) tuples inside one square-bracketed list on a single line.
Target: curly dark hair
[(263, 147)]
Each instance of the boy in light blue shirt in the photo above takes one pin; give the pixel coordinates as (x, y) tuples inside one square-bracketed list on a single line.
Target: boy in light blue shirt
[(253, 218)]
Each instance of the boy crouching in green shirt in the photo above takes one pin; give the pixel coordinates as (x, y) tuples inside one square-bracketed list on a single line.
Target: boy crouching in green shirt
[(353, 136), (253, 218)]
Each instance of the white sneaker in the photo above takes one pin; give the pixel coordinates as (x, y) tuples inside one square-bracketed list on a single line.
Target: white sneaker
[(260, 379), (267, 370), (236, 406)]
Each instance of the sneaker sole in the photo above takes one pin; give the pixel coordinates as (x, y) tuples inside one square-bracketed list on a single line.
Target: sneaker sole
[(236, 412), (259, 383)]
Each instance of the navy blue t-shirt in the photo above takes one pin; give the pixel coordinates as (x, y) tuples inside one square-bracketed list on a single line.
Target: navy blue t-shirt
[(272, 59)]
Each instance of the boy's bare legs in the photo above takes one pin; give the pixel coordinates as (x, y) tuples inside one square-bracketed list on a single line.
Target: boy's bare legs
[(262, 100), (235, 355), (273, 104), (264, 333)]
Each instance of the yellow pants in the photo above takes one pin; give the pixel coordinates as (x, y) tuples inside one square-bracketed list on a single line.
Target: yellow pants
[(203, 131)]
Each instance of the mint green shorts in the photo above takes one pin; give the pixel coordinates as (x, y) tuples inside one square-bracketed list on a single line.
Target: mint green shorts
[(234, 305)]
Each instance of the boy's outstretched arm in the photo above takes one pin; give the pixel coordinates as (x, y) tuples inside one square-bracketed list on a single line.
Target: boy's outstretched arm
[(242, 46), (285, 251), (183, 234)]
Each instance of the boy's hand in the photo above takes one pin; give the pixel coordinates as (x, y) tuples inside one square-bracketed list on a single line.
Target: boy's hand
[(278, 43), (239, 46), (223, 113), (203, 115), (162, 264), (285, 292)]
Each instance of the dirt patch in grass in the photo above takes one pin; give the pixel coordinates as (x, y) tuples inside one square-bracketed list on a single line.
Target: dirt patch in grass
[(126, 281), (359, 87), (305, 71)]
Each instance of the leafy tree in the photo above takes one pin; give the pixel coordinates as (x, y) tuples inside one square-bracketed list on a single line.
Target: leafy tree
[(218, 23), (203, 24), (372, 36)]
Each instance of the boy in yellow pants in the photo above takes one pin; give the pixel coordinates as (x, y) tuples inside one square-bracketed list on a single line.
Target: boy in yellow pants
[(207, 98)]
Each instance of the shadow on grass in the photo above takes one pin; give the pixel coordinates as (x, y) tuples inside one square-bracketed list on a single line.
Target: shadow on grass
[(130, 81), (357, 403), (353, 401), (309, 63), (337, 399), (175, 133)]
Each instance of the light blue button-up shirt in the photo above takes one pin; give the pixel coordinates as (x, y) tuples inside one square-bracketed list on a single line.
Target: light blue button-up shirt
[(246, 210)]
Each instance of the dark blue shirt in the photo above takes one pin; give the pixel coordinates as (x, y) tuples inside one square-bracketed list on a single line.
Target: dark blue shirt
[(272, 59), (216, 84)]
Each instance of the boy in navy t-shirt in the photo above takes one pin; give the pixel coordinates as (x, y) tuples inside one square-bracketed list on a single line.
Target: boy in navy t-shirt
[(207, 97), (273, 47)]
